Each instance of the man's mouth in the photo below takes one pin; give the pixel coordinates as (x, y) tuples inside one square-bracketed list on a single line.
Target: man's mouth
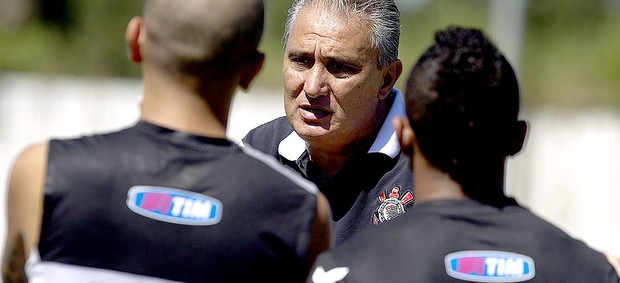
[(313, 113), (315, 110)]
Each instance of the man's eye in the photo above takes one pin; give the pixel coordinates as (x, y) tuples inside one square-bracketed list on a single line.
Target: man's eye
[(340, 69), (302, 62)]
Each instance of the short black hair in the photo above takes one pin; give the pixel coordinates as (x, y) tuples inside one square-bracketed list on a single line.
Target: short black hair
[(463, 101), (191, 37)]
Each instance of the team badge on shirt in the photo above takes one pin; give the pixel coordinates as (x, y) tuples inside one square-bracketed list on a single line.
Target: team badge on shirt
[(391, 205), (174, 205), (489, 266)]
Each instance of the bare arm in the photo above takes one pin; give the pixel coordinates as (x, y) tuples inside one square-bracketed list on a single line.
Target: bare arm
[(614, 260), (24, 210), (321, 237)]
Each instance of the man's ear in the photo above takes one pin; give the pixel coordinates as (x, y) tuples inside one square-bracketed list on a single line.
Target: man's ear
[(391, 75), (253, 67), (405, 134), (518, 140), (132, 36)]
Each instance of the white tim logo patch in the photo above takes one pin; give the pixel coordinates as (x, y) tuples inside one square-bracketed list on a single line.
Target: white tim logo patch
[(489, 266), (174, 205)]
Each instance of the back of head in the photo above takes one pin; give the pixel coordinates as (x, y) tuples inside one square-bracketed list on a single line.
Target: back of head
[(190, 37), (463, 104), (382, 16)]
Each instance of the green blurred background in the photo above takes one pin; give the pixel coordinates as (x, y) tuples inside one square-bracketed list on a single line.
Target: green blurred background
[(568, 55)]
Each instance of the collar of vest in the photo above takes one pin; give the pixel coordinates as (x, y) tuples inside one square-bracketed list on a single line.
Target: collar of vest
[(386, 142)]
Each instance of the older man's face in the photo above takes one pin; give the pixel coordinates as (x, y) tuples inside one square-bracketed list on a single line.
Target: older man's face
[(331, 79)]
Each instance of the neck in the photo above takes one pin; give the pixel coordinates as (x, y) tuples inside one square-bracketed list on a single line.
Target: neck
[(331, 162), (431, 183), (181, 105), (489, 177)]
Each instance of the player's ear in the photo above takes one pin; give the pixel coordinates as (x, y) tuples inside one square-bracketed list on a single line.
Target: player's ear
[(252, 68), (390, 76), (405, 134), (132, 36), (518, 140)]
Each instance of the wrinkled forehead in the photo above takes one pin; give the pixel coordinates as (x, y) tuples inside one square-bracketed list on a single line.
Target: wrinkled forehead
[(331, 23), (331, 33)]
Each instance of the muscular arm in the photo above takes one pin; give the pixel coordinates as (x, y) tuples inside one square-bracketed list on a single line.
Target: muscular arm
[(321, 231), (24, 210)]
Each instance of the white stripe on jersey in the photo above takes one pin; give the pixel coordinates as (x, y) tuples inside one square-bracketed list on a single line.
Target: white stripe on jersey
[(51, 272), (273, 163)]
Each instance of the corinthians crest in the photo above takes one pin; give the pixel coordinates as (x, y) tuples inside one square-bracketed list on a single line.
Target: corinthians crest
[(391, 206)]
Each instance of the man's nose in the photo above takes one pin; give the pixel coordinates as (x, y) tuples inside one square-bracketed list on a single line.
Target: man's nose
[(316, 82)]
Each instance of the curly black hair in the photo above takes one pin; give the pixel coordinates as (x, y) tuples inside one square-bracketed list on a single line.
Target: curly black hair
[(463, 101)]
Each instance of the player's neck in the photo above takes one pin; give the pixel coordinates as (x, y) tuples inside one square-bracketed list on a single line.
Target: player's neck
[(431, 183), (176, 106)]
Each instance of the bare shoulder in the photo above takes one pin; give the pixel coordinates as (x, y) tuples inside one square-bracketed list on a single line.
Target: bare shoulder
[(24, 209), (27, 176), (32, 157)]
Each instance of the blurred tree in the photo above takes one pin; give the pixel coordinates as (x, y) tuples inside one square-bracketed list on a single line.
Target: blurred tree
[(73, 37), (60, 13), (14, 13), (570, 55)]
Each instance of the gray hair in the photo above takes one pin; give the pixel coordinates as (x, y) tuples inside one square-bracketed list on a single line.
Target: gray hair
[(382, 16)]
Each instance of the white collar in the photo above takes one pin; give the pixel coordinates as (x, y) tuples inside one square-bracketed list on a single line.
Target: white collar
[(386, 142)]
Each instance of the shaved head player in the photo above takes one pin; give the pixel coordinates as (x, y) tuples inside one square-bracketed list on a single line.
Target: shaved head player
[(169, 199)]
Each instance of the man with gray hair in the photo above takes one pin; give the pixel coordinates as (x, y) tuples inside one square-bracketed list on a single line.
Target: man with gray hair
[(340, 66), (169, 199)]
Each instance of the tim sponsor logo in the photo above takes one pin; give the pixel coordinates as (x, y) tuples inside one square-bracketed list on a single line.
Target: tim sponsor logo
[(174, 205), (489, 266)]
